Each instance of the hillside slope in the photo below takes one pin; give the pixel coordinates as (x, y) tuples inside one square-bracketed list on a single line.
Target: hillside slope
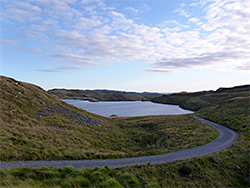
[(36, 125), (25, 136), (227, 106)]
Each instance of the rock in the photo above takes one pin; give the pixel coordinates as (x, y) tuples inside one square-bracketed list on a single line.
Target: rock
[(218, 159), (66, 112), (57, 127)]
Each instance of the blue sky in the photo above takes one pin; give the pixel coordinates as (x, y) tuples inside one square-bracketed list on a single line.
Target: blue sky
[(132, 45)]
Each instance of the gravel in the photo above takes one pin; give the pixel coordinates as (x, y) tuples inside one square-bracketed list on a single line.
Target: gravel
[(227, 138)]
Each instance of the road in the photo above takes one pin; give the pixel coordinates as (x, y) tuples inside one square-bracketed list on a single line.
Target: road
[(227, 138)]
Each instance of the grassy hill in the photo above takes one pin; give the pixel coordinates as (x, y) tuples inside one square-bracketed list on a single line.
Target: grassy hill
[(102, 95), (228, 106), (36, 125)]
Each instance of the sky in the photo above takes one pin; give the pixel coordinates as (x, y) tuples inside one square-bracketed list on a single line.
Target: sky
[(129, 45)]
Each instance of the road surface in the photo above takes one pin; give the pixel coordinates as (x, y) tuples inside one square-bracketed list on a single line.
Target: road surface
[(227, 138)]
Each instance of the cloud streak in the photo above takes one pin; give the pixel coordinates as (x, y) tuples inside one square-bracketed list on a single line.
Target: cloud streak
[(207, 59), (90, 33), (8, 42)]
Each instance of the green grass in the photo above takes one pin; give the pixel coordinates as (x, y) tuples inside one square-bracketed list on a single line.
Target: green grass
[(26, 138), (231, 171), (56, 136)]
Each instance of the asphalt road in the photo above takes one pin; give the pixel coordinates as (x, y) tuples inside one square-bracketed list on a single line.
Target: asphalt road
[(227, 138)]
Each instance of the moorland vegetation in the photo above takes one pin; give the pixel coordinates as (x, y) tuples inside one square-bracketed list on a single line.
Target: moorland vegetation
[(37, 125)]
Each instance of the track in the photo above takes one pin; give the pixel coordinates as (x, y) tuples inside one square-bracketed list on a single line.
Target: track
[(227, 138)]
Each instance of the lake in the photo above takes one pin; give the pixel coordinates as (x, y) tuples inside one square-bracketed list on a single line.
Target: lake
[(127, 108)]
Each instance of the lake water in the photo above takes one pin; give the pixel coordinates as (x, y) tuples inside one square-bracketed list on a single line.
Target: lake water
[(128, 108)]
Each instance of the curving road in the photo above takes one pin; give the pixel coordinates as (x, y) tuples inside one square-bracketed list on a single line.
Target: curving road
[(227, 138)]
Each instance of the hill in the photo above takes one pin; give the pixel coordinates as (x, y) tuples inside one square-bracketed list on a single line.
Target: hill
[(143, 94), (102, 95), (36, 125), (228, 106)]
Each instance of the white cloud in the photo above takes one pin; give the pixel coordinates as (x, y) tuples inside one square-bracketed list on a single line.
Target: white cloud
[(88, 32), (133, 10), (28, 7), (33, 49), (193, 20), (158, 70), (181, 11), (75, 59), (87, 23), (8, 42)]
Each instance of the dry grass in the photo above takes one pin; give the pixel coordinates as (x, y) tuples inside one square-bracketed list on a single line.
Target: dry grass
[(53, 137)]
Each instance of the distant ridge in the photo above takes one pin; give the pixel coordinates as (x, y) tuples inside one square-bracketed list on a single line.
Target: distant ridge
[(144, 94), (103, 95)]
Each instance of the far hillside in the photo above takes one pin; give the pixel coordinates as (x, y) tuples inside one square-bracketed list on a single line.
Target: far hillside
[(228, 106), (143, 94), (102, 95)]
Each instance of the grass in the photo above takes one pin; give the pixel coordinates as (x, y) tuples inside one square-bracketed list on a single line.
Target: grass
[(232, 170), (162, 134), (56, 136), (23, 137)]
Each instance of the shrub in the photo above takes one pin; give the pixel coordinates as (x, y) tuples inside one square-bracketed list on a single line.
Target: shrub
[(24, 172), (185, 170), (83, 182), (128, 180), (110, 183), (98, 176), (67, 170), (153, 185)]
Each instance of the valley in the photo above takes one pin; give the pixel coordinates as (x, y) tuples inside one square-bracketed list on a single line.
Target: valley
[(36, 125)]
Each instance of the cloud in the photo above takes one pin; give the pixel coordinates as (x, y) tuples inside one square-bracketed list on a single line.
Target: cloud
[(86, 33), (21, 11), (193, 20), (75, 59), (206, 59), (133, 10), (87, 23), (48, 70), (244, 67), (158, 70), (8, 42), (142, 8), (71, 68), (181, 11), (63, 68), (33, 49), (145, 8)]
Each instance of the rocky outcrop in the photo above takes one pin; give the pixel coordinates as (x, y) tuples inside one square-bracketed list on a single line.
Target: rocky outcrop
[(72, 115)]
